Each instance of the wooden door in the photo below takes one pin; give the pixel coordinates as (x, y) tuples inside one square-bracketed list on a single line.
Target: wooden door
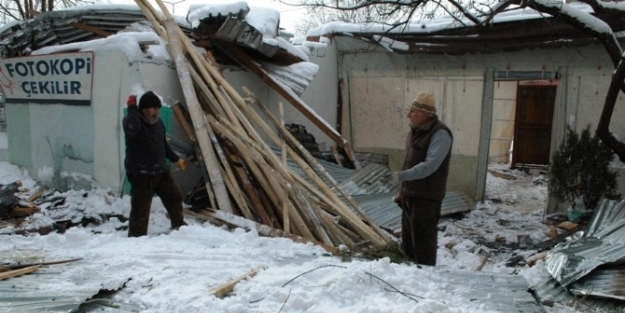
[(532, 125)]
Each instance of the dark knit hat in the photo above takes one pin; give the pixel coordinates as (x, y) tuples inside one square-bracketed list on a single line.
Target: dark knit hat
[(149, 100)]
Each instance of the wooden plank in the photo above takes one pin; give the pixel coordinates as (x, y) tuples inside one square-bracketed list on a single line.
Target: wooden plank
[(211, 59), (154, 17), (204, 150), (337, 231), (199, 122), (23, 211), (336, 155), (322, 191), (4, 268), (310, 215), (207, 94), (226, 171), (223, 290), (243, 177), (237, 221), (19, 272), (91, 29), (250, 157), (285, 209), (35, 195), (182, 120), (381, 238), (307, 170), (278, 181), (240, 57)]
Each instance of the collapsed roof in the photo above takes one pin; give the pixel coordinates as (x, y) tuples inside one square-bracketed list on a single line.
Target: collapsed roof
[(89, 23), (514, 30)]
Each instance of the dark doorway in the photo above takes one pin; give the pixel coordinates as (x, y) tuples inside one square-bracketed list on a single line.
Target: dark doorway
[(532, 130)]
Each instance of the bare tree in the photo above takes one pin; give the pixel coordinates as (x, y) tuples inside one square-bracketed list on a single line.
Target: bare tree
[(481, 13), (25, 9), (319, 14)]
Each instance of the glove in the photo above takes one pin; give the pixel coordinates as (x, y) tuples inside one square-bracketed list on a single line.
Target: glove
[(181, 164), (132, 100)]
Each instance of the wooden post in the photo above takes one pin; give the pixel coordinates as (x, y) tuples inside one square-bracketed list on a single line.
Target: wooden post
[(285, 210), (199, 123)]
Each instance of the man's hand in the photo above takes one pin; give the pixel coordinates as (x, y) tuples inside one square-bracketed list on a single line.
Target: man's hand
[(132, 101), (391, 177), (397, 199), (181, 164)]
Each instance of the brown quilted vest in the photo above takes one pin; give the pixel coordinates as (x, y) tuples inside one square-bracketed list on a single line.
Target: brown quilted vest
[(417, 143)]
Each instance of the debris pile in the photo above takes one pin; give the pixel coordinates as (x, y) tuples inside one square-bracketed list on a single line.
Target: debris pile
[(591, 262), (243, 175), (12, 206)]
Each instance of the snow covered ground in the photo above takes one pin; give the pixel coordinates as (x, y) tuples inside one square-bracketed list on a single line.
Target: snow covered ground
[(178, 271)]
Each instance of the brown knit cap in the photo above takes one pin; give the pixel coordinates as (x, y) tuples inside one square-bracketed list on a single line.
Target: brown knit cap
[(425, 102)]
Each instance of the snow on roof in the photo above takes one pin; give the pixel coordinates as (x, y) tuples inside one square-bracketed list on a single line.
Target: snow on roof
[(265, 20), (198, 12), (426, 26), (127, 43)]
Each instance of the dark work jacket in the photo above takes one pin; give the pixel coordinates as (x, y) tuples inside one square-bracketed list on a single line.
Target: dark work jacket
[(146, 145), (417, 144)]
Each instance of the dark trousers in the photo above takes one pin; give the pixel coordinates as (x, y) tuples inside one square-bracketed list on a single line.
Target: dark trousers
[(143, 188), (419, 233)]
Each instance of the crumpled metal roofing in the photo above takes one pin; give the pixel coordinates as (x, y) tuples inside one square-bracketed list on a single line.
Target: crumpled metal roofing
[(36, 292), (57, 27), (371, 188), (69, 26), (549, 291), (494, 292), (586, 265)]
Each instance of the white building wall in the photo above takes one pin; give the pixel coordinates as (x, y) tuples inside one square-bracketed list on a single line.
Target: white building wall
[(382, 85)]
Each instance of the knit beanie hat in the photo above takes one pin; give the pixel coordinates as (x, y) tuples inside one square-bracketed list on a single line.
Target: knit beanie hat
[(425, 102), (149, 100)]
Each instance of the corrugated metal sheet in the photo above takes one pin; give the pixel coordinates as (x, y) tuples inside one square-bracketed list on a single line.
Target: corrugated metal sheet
[(371, 188), (36, 292), (575, 263), (493, 291), (549, 291), (55, 27), (33, 293), (386, 214), (608, 283)]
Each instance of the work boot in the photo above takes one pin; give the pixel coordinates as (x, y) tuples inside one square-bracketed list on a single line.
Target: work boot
[(183, 223)]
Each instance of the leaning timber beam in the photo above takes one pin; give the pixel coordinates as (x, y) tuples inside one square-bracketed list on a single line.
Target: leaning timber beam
[(234, 221), (240, 57), (199, 123)]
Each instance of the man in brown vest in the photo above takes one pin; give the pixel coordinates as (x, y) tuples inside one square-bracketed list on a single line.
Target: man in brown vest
[(423, 179)]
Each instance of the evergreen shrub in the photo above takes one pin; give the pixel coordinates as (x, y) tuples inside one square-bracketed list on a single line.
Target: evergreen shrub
[(580, 171)]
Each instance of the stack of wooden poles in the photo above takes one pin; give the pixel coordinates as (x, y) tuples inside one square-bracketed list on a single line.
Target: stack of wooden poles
[(247, 178)]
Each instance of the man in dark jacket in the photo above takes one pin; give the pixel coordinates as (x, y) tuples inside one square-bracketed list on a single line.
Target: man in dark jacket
[(424, 180), (147, 172)]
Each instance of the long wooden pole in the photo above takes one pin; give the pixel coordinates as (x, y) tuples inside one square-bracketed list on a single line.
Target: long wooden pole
[(346, 212), (199, 124), (237, 54)]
